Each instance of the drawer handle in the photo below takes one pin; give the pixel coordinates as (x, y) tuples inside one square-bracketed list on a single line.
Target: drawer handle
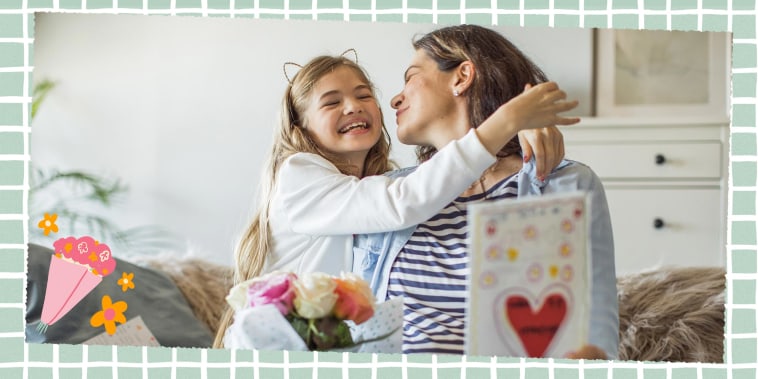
[(658, 223), (660, 159)]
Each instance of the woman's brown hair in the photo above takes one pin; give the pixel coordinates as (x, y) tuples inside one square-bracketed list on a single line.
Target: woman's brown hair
[(502, 72)]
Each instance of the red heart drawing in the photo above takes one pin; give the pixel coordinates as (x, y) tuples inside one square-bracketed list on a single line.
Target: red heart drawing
[(536, 330)]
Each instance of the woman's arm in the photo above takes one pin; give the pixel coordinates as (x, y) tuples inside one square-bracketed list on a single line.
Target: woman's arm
[(604, 322)]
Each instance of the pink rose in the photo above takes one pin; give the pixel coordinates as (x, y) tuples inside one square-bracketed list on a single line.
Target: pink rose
[(275, 288)]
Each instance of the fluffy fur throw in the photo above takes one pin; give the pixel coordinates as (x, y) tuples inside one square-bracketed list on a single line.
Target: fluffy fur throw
[(203, 284), (672, 314)]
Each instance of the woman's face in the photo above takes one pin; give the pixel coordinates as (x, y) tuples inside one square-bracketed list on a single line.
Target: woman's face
[(343, 116), (426, 105)]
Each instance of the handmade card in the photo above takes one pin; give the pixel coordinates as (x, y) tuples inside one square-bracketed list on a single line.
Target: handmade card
[(132, 333), (529, 283)]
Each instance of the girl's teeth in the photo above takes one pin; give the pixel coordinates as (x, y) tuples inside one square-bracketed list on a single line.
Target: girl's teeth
[(353, 126)]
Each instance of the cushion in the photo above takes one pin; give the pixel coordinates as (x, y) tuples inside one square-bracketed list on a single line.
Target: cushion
[(155, 298)]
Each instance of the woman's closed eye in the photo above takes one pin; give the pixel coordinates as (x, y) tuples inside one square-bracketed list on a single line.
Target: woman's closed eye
[(409, 75)]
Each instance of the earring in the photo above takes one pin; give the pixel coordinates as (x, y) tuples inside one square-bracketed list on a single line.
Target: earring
[(455, 92)]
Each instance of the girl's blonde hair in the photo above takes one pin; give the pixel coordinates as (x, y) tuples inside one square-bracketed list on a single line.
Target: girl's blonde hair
[(289, 138)]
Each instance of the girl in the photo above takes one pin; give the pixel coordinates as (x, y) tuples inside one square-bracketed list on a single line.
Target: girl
[(323, 181), (458, 77)]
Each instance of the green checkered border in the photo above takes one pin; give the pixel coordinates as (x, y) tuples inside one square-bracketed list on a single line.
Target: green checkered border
[(21, 360)]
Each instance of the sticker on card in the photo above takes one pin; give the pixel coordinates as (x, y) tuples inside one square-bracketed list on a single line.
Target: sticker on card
[(529, 283)]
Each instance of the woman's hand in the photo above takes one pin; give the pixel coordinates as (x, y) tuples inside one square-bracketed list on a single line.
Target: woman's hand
[(587, 352), (547, 146)]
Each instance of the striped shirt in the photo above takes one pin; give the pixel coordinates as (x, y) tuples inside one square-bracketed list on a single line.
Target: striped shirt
[(431, 272)]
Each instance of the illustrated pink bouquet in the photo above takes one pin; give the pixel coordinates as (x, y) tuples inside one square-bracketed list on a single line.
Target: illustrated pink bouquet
[(78, 266), (315, 311)]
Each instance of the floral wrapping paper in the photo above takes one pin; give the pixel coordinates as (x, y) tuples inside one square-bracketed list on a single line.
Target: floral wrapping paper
[(264, 328)]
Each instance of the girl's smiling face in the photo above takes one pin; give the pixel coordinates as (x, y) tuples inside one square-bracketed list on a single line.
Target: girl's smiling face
[(343, 116)]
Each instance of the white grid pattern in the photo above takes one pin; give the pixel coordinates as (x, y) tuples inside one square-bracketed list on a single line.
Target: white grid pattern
[(375, 365)]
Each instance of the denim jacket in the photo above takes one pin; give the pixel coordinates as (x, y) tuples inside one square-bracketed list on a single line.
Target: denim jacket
[(374, 254)]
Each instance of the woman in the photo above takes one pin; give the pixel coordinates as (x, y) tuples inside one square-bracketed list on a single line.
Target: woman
[(458, 77)]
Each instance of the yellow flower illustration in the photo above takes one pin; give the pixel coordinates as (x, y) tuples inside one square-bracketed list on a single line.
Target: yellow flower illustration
[(512, 254), (565, 250), (111, 314), (493, 253), (48, 223), (126, 281), (553, 271)]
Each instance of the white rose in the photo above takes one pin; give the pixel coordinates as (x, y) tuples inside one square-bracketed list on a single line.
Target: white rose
[(237, 297), (314, 295)]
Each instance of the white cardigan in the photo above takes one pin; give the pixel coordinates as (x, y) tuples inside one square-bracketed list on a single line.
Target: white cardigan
[(315, 209)]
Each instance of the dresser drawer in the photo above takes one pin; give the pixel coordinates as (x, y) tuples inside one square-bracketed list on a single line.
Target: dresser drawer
[(689, 232), (697, 160)]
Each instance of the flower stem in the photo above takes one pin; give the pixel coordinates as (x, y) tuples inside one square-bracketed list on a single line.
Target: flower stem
[(312, 330)]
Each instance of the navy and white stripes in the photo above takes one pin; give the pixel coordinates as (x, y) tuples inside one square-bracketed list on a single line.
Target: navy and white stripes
[(430, 272)]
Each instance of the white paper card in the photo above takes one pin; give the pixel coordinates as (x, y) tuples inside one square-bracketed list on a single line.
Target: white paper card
[(529, 282), (131, 333)]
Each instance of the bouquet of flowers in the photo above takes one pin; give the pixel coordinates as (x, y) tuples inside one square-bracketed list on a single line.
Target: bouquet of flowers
[(316, 311), (78, 266)]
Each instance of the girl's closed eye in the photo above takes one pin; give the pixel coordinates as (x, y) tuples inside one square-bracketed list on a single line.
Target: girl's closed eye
[(330, 103)]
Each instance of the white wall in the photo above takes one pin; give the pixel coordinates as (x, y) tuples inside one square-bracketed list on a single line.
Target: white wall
[(181, 108)]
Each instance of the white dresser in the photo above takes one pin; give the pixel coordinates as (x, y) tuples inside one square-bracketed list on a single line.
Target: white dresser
[(666, 183)]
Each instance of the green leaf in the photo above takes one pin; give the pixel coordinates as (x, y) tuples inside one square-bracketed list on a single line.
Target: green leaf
[(301, 327), (99, 189), (39, 93), (332, 333), (81, 199), (342, 335), (328, 333)]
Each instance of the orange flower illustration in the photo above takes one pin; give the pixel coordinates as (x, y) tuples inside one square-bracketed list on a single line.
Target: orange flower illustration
[(126, 281), (111, 314), (48, 223)]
